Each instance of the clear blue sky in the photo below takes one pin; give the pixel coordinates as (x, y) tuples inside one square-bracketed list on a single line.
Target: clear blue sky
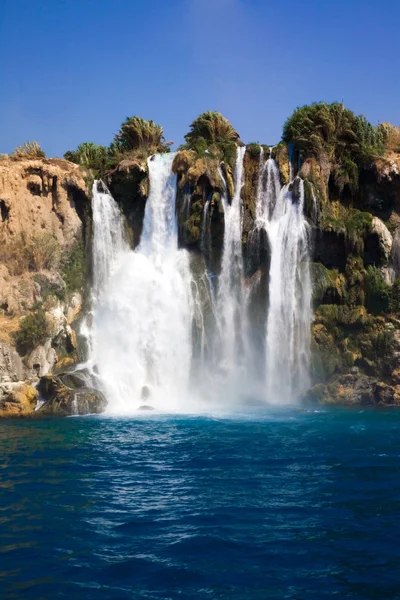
[(73, 70)]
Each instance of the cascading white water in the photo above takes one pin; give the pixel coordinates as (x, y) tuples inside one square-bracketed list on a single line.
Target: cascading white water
[(206, 231), (289, 317), (143, 317), (109, 242), (231, 314), (158, 321)]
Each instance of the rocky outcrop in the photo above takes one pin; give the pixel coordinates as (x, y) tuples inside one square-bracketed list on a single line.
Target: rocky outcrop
[(11, 367), (61, 400), (17, 399), (129, 186), (384, 237), (40, 196), (353, 389)]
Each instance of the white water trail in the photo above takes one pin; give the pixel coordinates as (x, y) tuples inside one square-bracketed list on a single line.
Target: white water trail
[(288, 333), (231, 314), (205, 244), (268, 193), (260, 189), (109, 242), (160, 324), (143, 317)]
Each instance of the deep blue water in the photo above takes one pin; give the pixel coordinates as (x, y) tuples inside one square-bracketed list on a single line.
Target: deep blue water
[(284, 504)]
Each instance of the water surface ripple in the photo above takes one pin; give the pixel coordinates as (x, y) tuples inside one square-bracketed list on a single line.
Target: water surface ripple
[(282, 504)]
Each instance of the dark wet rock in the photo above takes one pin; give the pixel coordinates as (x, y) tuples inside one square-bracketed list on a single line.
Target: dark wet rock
[(352, 389), (61, 400), (76, 379)]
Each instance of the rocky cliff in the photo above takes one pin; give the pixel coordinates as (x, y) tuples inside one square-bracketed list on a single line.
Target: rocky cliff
[(44, 227)]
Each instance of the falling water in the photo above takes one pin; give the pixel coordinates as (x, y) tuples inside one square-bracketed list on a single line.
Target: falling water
[(161, 321), (268, 191), (206, 231), (289, 316), (260, 189), (316, 213), (231, 301), (108, 241), (143, 318)]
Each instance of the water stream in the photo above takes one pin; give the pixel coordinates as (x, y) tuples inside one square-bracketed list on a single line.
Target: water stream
[(166, 331)]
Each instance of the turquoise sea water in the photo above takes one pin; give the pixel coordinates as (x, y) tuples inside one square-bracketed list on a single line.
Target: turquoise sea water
[(276, 504)]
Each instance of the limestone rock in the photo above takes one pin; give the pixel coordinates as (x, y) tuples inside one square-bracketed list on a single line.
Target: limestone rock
[(350, 389), (384, 236), (17, 399), (41, 195), (74, 307), (41, 360), (11, 367), (17, 293), (385, 394)]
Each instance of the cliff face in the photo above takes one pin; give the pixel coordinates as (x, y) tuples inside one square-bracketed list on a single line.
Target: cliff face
[(40, 196), (355, 348), (44, 221)]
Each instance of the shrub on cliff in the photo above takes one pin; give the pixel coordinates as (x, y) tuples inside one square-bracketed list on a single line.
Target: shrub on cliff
[(211, 132), (30, 253), (335, 134), (90, 156), (29, 150), (377, 292), (73, 268), (395, 296), (392, 137), (33, 331), (211, 127), (138, 134)]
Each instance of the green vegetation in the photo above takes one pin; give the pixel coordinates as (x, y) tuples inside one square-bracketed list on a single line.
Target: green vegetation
[(213, 128), (327, 283), (212, 134), (349, 316), (392, 136), (137, 133), (333, 133), (136, 139), (33, 331), (254, 149), (395, 296), (358, 226), (28, 150), (377, 292), (30, 253), (73, 268), (90, 156)]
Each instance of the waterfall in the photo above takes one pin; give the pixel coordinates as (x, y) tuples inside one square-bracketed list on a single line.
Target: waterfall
[(165, 327), (316, 213), (206, 232), (288, 333), (231, 311), (108, 241), (260, 190), (142, 321)]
